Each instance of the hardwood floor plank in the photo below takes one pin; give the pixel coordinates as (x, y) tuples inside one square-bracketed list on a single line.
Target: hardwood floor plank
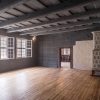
[(40, 83)]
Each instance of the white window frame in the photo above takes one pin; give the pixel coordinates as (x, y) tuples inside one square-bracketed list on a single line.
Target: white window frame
[(23, 48), (30, 49), (12, 47), (7, 48)]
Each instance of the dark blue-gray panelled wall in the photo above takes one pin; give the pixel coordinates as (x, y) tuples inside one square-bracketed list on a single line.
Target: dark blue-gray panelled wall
[(45, 50), (14, 64), (8, 65), (48, 46)]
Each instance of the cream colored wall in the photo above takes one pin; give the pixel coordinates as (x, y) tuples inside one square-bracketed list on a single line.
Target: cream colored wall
[(82, 55)]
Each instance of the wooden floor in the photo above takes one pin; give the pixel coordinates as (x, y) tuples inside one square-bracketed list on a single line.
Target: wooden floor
[(49, 84)]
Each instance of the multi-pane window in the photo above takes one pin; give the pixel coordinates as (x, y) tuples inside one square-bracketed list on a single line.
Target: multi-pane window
[(10, 43), (6, 47), (29, 48), (24, 48)]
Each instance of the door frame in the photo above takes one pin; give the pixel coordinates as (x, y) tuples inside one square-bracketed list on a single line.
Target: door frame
[(71, 51)]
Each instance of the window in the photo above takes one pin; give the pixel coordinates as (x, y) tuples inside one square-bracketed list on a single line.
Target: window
[(6, 47), (24, 48), (29, 48), (10, 47)]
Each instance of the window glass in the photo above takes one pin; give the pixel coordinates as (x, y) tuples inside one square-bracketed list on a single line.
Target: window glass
[(6, 47), (3, 41), (24, 48), (3, 53)]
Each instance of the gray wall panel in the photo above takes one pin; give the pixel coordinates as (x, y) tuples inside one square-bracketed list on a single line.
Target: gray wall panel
[(8, 65), (48, 46)]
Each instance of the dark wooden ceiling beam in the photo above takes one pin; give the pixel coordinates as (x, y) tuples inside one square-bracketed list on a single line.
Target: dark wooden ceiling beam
[(76, 28), (5, 5), (42, 3), (65, 18), (79, 23), (44, 12)]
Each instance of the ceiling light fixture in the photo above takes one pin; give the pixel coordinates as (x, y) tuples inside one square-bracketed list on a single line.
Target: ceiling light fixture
[(34, 38)]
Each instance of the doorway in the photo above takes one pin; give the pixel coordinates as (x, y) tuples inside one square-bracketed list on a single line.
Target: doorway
[(66, 57)]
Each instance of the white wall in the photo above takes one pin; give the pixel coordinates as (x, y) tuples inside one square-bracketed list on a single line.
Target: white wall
[(82, 55)]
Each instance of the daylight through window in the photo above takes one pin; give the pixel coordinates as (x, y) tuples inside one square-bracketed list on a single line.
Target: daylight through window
[(6, 47), (24, 48)]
